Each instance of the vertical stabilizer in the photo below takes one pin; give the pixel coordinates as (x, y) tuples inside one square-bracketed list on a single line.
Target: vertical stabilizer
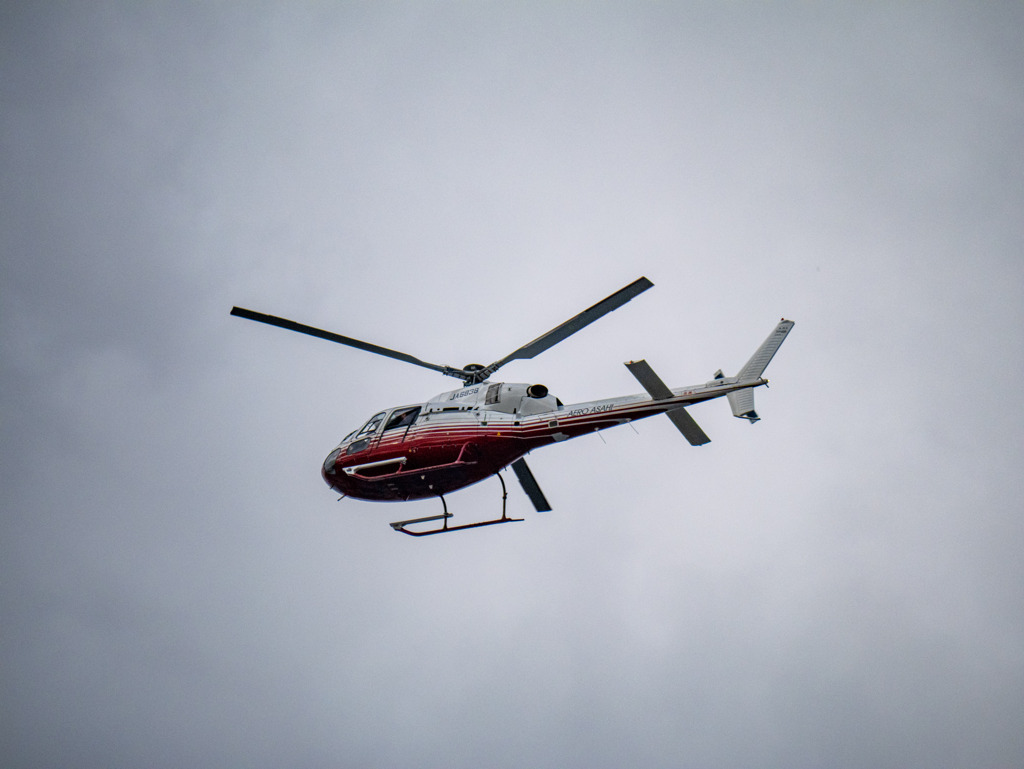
[(742, 402), (759, 360)]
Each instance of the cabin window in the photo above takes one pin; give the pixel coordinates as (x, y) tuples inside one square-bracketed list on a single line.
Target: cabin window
[(402, 417)]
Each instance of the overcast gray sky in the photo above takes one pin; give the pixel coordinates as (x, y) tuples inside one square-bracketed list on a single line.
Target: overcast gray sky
[(840, 584)]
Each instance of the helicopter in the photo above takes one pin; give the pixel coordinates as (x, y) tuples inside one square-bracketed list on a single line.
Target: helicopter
[(464, 436)]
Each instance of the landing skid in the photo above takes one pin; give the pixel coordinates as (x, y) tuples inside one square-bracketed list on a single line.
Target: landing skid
[(444, 529)]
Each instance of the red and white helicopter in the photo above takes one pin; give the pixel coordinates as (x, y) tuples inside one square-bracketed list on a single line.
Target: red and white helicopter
[(463, 436)]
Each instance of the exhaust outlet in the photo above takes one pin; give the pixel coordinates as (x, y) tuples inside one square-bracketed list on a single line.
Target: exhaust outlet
[(537, 391)]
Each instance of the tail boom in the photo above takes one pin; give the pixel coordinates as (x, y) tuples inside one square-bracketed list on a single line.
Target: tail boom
[(573, 420)]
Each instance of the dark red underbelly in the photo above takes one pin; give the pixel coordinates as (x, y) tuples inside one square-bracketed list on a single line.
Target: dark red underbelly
[(427, 470)]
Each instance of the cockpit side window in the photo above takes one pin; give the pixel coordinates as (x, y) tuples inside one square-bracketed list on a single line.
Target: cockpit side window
[(402, 418)]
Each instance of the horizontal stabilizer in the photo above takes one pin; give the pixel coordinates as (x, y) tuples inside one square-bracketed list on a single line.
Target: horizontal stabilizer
[(658, 390), (688, 426), (651, 382), (759, 360)]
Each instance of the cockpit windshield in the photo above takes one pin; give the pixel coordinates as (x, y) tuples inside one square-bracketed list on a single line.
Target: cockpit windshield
[(400, 417), (361, 437), (371, 426)]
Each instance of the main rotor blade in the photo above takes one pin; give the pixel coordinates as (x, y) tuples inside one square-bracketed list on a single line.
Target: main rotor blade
[(530, 486), (574, 324), (291, 325)]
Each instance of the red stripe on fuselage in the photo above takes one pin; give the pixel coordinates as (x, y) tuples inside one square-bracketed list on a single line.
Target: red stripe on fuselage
[(443, 454)]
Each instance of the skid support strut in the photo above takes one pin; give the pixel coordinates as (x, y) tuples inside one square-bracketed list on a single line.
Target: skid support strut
[(445, 528)]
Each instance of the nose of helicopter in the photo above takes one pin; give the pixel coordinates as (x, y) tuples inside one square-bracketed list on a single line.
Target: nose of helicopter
[(329, 471)]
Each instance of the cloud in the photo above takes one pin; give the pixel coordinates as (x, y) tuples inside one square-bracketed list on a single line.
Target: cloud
[(838, 584)]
